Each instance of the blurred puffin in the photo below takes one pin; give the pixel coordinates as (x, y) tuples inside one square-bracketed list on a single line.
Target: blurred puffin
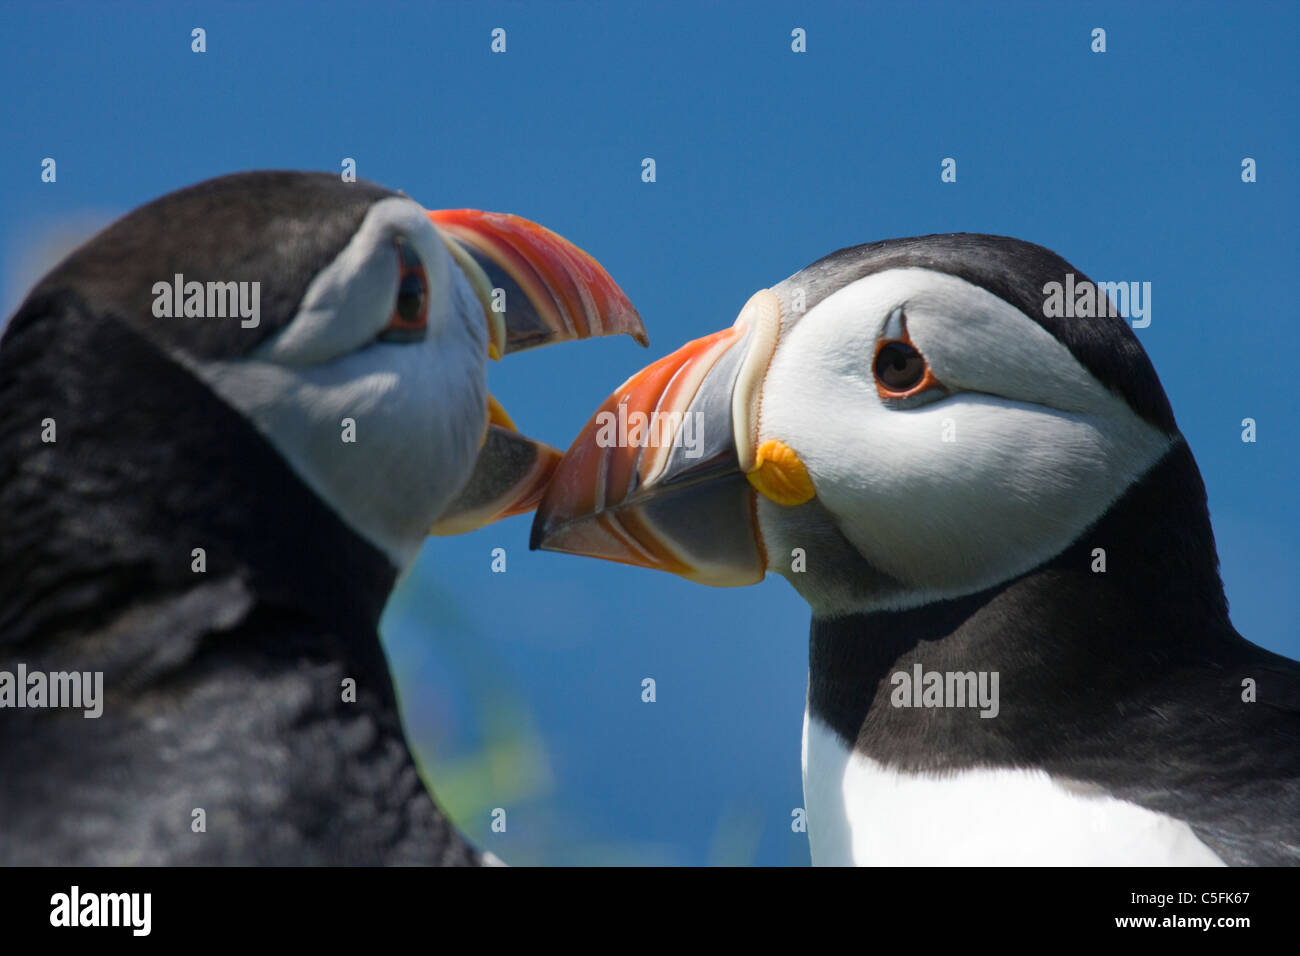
[(965, 489), (227, 423)]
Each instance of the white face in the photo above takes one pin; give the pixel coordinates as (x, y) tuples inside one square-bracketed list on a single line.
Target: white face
[(954, 489), (419, 406)]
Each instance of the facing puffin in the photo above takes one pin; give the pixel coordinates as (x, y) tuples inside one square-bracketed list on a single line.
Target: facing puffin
[(206, 503), (1020, 647)]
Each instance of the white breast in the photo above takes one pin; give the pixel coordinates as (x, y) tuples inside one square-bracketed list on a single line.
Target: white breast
[(861, 813)]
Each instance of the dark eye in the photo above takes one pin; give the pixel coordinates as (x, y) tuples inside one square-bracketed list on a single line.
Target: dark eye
[(410, 297), (410, 317), (899, 367)]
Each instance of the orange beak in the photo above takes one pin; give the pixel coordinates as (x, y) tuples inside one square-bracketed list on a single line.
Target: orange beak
[(662, 475), (536, 287)]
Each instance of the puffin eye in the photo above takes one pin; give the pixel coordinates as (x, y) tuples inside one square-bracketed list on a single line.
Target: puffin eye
[(899, 368), (410, 317)]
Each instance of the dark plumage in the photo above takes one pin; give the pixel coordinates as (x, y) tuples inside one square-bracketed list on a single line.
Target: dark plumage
[(223, 689)]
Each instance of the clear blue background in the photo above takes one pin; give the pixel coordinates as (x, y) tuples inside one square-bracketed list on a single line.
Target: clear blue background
[(522, 690)]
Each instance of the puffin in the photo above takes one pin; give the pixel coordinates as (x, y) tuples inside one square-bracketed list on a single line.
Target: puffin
[(228, 422), (1020, 650)]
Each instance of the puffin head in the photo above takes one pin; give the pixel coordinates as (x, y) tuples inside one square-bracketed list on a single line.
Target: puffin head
[(899, 422), (351, 327)]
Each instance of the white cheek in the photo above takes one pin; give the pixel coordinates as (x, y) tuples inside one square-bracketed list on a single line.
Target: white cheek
[(975, 489), (385, 435), (962, 493)]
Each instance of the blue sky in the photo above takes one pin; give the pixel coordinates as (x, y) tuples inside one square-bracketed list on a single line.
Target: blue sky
[(523, 689)]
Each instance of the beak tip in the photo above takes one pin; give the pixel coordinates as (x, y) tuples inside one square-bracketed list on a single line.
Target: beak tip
[(623, 317)]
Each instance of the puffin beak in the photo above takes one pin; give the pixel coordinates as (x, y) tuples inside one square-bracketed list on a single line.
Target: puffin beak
[(666, 474), (536, 288)]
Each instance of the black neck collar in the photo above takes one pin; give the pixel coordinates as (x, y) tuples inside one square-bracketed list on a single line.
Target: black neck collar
[(1065, 641)]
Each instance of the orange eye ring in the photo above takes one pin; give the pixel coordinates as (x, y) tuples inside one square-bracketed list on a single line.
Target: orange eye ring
[(900, 370), (410, 319)]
